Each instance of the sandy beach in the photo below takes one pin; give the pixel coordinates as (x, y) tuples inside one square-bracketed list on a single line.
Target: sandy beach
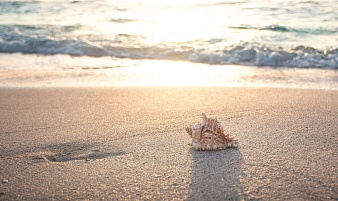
[(129, 143)]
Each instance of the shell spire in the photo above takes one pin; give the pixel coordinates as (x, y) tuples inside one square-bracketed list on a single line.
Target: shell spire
[(209, 135)]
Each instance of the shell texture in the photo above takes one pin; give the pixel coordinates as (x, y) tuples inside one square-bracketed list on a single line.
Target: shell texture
[(209, 135)]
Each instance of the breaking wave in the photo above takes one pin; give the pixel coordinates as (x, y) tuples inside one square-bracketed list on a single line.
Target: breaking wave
[(260, 55), (49, 41)]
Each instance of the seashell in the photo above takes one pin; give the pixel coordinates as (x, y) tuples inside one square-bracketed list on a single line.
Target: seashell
[(235, 144), (229, 144), (204, 119), (197, 126), (196, 145), (209, 135)]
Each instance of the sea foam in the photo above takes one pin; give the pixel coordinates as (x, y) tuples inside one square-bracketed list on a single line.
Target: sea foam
[(242, 53)]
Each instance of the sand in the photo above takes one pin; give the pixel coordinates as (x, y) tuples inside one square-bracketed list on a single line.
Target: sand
[(129, 143)]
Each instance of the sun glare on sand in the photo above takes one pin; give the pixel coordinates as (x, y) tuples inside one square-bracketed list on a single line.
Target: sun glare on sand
[(176, 73)]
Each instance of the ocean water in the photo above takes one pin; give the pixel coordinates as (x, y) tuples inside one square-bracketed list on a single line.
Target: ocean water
[(136, 42)]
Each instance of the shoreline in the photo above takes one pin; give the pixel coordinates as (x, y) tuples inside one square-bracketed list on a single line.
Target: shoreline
[(128, 143), (164, 73)]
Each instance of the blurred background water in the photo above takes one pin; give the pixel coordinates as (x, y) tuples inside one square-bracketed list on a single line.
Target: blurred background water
[(104, 34)]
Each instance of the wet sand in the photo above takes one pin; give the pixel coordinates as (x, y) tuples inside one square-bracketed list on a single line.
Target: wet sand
[(129, 143)]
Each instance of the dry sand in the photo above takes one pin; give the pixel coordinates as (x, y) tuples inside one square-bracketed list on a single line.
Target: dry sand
[(125, 143)]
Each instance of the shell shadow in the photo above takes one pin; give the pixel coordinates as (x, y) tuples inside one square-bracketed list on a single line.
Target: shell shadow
[(216, 175)]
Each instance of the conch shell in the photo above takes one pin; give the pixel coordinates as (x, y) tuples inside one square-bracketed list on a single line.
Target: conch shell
[(209, 135)]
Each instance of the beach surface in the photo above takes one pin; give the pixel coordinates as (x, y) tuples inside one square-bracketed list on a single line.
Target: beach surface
[(129, 143)]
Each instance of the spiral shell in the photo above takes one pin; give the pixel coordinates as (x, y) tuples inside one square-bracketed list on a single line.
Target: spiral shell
[(209, 135)]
